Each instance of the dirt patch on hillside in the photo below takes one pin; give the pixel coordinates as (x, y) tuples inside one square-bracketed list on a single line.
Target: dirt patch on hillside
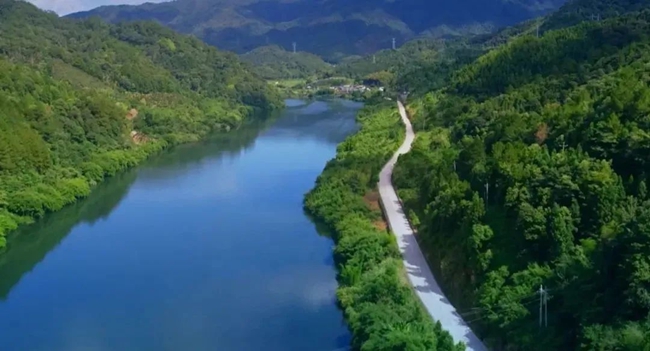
[(380, 224), (138, 138), (372, 201), (132, 114)]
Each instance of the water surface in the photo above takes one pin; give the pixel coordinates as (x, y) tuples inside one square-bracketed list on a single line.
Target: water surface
[(205, 247)]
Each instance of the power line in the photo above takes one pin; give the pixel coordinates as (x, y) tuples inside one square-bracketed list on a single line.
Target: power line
[(484, 317), (540, 297), (532, 298)]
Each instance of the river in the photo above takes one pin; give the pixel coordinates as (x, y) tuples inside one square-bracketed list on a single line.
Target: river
[(204, 247)]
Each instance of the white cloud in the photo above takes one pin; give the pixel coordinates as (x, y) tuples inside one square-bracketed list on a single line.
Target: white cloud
[(64, 7)]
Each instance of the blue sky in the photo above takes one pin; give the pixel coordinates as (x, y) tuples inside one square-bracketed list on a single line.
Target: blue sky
[(64, 7)]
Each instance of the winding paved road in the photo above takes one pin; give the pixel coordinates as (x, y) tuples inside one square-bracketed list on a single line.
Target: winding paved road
[(416, 266)]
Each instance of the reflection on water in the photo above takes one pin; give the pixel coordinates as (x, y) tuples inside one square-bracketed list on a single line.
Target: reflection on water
[(31, 243), (203, 247)]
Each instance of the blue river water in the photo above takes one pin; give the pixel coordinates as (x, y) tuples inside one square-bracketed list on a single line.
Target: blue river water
[(204, 247)]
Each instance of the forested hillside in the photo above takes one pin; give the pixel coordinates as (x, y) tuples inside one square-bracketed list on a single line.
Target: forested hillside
[(273, 62), (395, 60), (330, 28), (80, 100), (576, 11), (424, 64), (531, 169)]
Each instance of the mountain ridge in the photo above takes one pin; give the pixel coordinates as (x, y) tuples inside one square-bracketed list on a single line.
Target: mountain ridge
[(329, 28)]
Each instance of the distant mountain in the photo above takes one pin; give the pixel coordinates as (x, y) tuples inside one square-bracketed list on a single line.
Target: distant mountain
[(330, 28), (273, 62)]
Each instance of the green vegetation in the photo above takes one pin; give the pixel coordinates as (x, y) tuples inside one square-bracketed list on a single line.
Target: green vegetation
[(291, 88), (273, 62), (531, 168), (332, 29), (382, 311), (577, 11), (395, 60), (83, 100)]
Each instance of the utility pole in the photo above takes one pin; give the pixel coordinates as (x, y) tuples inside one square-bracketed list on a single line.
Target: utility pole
[(487, 193), (545, 309), (393, 43), (543, 306), (538, 29), (294, 47), (374, 59)]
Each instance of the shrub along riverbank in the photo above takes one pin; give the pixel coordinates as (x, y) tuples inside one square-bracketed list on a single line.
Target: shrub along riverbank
[(382, 311)]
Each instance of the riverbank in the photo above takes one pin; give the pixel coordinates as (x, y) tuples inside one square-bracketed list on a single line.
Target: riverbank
[(33, 201), (33, 195), (382, 311)]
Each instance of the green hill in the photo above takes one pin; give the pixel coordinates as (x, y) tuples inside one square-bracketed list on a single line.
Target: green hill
[(415, 50), (330, 28), (577, 11), (81, 100), (273, 62), (531, 169)]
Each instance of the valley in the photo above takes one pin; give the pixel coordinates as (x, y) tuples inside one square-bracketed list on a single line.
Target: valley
[(485, 190)]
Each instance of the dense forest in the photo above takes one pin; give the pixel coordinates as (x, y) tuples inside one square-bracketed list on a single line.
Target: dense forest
[(81, 100), (379, 305), (530, 169)]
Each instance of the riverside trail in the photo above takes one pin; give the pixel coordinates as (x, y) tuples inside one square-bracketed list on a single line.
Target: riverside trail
[(419, 273)]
